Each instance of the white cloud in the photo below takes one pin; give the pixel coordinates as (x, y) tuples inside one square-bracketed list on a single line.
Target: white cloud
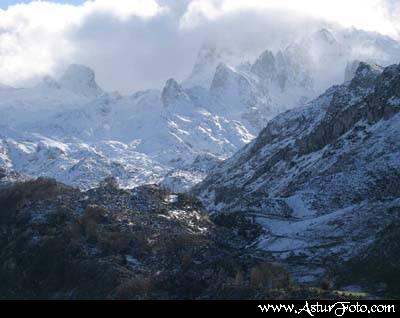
[(393, 14), (35, 38), (134, 44), (123, 8), (364, 14)]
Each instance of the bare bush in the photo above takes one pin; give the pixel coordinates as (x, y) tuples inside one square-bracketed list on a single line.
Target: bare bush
[(136, 288), (116, 242), (269, 276), (89, 221)]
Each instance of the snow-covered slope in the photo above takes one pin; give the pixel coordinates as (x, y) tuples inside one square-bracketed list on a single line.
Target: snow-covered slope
[(5, 87), (80, 164), (322, 179)]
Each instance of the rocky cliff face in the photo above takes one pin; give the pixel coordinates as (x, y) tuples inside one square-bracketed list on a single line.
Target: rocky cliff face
[(322, 180)]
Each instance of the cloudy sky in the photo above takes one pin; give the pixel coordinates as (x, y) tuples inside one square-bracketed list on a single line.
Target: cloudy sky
[(136, 44)]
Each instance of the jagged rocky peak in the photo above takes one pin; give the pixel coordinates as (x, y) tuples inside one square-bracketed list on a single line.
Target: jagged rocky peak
[(325, 36), (208, 53), (265, 65), (282, 69), (234, 93), (365, 74), (323, 48), (223, 74), (208, 57), (351, 69), (288, 67), (280, 58), (296, 54), (390, 73), (366, 69), (388, 89), (174, 95), (81, 80), (298, 65), (228, 78)]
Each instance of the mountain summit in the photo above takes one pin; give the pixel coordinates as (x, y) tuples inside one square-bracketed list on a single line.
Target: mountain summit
[(174, 97), (81, 80)]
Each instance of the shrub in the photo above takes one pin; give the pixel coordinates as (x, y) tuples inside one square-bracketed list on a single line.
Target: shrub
[(326, 284), (90, 219), (138, 287), (13, 196), (115, 241), (239, 279), (95, 213), (182, 243), (109, 182), (90, 228), (59, 216), (186, 261), (3, 173), (270, 276), (187, 199), (239, 223), (139, 240)]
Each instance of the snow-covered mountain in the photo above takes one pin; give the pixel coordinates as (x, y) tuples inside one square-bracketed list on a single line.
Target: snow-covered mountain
[(70, 129), (323, 179)]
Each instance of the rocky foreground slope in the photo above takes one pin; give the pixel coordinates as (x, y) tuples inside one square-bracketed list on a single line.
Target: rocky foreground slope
[(324, 181), (57, 242), (60, 243)]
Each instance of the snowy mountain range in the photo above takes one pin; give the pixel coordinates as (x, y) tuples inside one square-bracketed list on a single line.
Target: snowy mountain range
[(70, 129)]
